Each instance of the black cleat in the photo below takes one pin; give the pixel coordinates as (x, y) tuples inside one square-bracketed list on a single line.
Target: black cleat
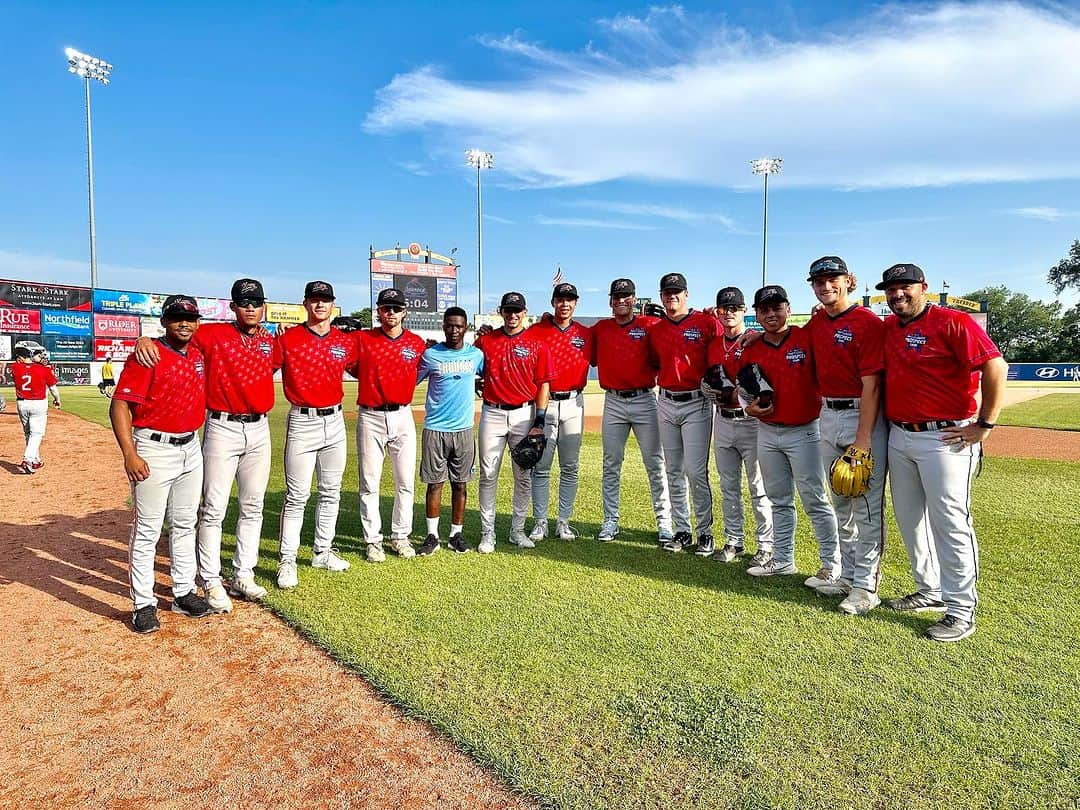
[(457, 543), (144, 620), (705, 546), (681, 541), (430, 546), (191, 604)]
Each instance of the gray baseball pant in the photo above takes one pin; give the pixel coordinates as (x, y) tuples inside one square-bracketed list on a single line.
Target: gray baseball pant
[(621, 415), (685, 433), (789, 458), (240, 451), (563, 426), (735, 450), (34, 416), (860, 521), (377, 434), (313, 444), (497, 429), (931, 493)]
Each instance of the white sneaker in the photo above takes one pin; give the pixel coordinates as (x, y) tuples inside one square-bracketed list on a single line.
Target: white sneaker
[(375, 553), (859, 602), (772, 568), (286, 574), (329, 560), (824, 576), (247, 588), (838, 588), (563, 530), (518, 538), (609, 530), (539, 531), (729, 553), (217, 598), (487, 544), (403, 548)]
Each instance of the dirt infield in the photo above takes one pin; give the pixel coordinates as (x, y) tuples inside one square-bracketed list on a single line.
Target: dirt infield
[(229, 710)]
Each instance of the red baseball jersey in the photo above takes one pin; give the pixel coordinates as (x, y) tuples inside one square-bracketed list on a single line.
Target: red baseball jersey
[(171, 396), (239, 368), (726, 352), (312, 365), (847, 348), (931, 365), (789, 368), (515, 366), (386, 367), (31, 380), (679, 348), (571, 351), (621, 353)]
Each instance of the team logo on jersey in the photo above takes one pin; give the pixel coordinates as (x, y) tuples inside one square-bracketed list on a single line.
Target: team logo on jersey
[(521, 351), (578, 342), (692, 335), (843, 336), (199, 367), (265, 348), (408, 353), (795, 356), (338, 353), (636, 333), (915, 341)]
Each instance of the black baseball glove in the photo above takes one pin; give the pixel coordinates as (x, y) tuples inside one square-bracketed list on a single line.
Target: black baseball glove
[(717, 386), (526, 454), (753, 384), (655, 310), (346, 323)]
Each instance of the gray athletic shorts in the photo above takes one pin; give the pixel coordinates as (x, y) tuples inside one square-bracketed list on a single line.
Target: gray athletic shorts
[(446, 456)]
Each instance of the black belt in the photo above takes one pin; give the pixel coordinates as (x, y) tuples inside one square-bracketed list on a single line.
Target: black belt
[(502, 407), (561, 395), (382, 408), (178, 441), (319, 411), (733, 413), (922, 427), (841, 404), (629, 393), (237, 417), (680, 396)]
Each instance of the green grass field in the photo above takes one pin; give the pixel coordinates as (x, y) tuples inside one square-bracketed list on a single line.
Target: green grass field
[(614, 676), (1056, 411)]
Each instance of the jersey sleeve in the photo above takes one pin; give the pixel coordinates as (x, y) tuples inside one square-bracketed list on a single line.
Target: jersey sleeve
[(971, 344), (277, 356), (134, 382), (479, 357), (545, 370), (872, 349), (50, 378), (425, 367)]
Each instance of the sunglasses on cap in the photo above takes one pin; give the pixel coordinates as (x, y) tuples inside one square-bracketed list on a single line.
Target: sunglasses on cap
[(828, 264)]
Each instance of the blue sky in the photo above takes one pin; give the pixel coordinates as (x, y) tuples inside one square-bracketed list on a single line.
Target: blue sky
[(280, 141)]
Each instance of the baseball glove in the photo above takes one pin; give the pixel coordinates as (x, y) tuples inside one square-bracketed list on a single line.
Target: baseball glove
[(753, 384), (526, 454), (717, 386), (346, 323), (655, 310), (850, 474)]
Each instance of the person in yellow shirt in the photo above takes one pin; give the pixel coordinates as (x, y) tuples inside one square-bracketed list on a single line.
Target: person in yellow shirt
[(108, 381)]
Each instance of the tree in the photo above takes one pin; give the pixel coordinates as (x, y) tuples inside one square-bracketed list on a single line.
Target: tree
[(363, 315), (1067, 346), (1025, 330), (1066, 273)]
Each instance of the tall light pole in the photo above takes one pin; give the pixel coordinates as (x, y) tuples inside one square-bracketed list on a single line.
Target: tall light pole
[(765, 166), (89, 67), (479, 159)]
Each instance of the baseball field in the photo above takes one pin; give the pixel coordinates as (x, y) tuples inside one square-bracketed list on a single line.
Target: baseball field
[(576, 675)]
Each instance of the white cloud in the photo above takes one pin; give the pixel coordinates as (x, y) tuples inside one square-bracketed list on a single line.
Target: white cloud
[(675, 213), (581, 222), (1043, 212), (910, 96), (499, 220)]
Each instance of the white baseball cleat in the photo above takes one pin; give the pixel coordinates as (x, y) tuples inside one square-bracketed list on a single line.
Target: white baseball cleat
[(286, 574), (859, 602), (772, 568), (518, 538), (838, 588), (729, 553), (247, 588), (487, 544), (329, 560), (609, 530), (824, 576), (218, 600), (403, 548), (539, 531), (564, 531), (375, 553)]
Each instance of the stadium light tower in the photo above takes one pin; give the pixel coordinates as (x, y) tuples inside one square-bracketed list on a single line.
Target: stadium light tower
[(89, 67), (479, 159), (765, 166)]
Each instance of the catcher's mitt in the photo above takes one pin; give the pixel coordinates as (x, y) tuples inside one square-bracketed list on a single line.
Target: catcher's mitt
[(717, 386), (753, 384), (850, 474), (655, 310), (526, 454)]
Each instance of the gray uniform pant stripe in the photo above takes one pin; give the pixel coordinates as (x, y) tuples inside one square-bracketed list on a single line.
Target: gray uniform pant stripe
[(639, 414), (562, 427), (686, 432), (735, 450), (313, 444)]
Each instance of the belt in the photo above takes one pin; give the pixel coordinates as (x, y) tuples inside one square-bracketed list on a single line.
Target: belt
[(841, 404), (237, 417), (382, 408), (681, 396), (502, 407), (733, 413), (561, 395), (178, 441), (922, 427), (320, 411), (629, 393)]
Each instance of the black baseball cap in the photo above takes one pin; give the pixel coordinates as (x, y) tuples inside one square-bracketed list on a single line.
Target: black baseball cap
[(730, 297), (622, 287), (673, 281), (564, 290), (771, 294), (247, 289), (390, 297), (512, 300), (321, 289), (182, 307), (901, 274), (827, 266)]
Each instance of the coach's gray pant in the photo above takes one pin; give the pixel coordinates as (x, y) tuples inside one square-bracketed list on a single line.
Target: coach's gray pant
[(497, 429), (621, 415), (240, 451), (735, 449), (931, 492), (562, 428), (173, 487), (685, 433), (860, 520), (789, 458), (313, 444), (377, 434), (34, 416)]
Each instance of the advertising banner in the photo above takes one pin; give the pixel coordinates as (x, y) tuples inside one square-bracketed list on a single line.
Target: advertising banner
[(215, 309), (21, 321), (1045, 372), (9, 341), (413, 269), (72, 373), (151, 327), (5, 347), (288, 313), (117, 348), (68, 347), (29, 294), (66, 322), (428, 288), (124, 326), (125, 302)]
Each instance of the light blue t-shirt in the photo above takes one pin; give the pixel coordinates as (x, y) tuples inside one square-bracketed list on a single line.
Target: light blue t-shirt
[(451, 376)]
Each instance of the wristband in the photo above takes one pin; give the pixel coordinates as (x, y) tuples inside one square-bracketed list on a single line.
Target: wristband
[(541, 415), (984, 424)]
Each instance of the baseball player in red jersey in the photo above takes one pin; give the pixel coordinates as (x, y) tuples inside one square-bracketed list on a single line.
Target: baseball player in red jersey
[(678, 345), (570, 345), (627, 374), (516, 385), (388, 357), (788, 439), (236, 439), (847, 340), (313, 358), (32, 380), (156, 414), (735, 437), (934, 357)]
